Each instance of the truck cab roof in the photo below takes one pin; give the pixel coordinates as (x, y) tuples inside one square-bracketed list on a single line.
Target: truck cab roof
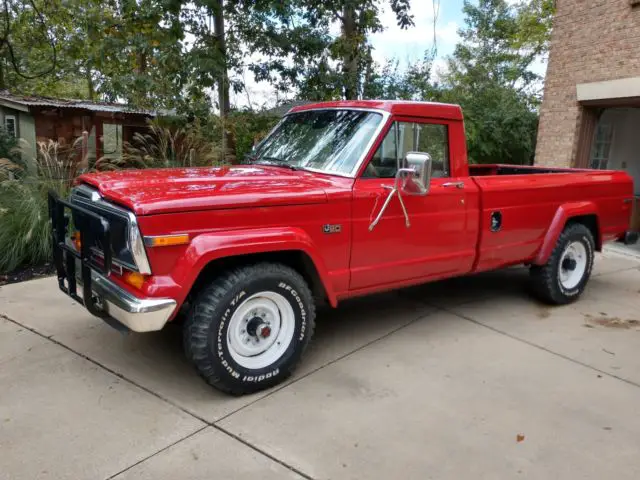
[(396, 107)]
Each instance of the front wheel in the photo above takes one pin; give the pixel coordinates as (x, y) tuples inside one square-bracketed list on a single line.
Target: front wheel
[(565, 275), (248, 329)]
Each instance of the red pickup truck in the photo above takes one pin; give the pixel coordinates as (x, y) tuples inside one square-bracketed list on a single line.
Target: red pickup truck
[(341, 199)]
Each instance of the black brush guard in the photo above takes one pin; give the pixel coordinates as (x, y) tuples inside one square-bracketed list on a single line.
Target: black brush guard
[(94, 231)]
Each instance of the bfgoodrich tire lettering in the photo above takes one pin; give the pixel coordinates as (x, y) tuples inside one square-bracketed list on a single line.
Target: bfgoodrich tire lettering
[(548, 281), (208, 339)]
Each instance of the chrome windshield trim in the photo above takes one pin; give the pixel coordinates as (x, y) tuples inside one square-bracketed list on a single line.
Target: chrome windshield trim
[(358, 164), (134, 242)]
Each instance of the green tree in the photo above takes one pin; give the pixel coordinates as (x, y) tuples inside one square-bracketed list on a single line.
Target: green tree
[(490, 76), (96, 49), (330, 67), (501, 126), (535, 22), (489, 49), (389, 81), (28, 50)]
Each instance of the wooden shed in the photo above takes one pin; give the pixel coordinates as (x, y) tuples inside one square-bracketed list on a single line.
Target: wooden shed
[(35, 119)]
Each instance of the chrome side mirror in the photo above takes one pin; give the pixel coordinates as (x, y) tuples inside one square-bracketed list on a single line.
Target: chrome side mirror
[(418, 180)]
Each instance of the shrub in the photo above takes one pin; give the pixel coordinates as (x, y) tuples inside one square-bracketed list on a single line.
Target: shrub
[(166, 146), (249, 128), (25, 231), (24, 225)]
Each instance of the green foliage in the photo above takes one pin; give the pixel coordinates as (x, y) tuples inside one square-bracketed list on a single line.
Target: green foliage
[(500, 125), (105, 50), (24, 221), (535, 21), (342, 62), (390, 82), (249, 128), (490, 76), (24, 225), (490, 49), (174, 142)]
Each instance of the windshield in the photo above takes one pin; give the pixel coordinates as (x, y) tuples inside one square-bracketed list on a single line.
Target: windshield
[(329, 140)]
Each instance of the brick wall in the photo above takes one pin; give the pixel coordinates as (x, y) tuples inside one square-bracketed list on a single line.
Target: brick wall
[(592, 41)]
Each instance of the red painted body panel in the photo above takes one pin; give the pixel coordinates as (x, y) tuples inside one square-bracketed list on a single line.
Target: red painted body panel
[(442, 111), (441, 240), (149, 192), (529, 203), (231, 211)]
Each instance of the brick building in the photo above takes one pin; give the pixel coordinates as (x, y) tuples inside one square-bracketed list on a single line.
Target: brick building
[(590, 115)]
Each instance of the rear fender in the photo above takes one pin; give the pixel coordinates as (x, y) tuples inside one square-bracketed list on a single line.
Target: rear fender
[(208, 247), (564, 213)]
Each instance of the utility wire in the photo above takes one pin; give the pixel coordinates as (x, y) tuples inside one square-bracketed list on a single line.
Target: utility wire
[(5, 40), (435, 4)]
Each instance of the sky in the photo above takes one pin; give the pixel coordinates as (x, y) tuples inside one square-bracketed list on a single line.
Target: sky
[(406, 45), (409, 45)]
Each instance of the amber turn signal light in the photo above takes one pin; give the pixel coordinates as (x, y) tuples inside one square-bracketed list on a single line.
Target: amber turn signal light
[(166, 240), (77, 240), (134, 279)]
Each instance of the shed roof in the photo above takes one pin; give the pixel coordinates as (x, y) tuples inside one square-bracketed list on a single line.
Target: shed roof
[(23, 102)]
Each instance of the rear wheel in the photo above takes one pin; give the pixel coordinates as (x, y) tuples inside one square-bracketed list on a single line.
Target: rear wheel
[(565, 275), (248, 329)]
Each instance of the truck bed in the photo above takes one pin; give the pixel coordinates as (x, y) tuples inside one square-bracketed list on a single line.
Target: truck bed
[(527, 205)]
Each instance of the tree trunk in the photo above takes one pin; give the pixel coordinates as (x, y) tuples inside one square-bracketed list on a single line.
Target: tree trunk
[(2, 80), (142, 63), (349, 57), (228, 141), (90, 87)]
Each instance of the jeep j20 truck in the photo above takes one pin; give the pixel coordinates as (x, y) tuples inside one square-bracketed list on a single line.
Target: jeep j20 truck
[(341, 199)]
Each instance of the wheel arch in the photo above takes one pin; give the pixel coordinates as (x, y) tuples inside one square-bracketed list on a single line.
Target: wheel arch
[(210, 253), (298, 260), (584, 213)]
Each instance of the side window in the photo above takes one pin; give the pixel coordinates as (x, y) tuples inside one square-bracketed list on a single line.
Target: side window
[(433, 139), (406, 137), (384, 163)]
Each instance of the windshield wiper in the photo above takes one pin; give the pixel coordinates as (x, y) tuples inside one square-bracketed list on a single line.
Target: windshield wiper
[(276, 162)]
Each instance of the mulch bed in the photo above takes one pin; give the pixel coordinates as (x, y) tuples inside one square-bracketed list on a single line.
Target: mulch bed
[(23, 274)]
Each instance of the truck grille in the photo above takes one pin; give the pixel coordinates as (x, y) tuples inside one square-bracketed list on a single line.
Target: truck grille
[(120, 223)]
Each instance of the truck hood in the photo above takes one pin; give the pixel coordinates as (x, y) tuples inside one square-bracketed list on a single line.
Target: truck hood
[(148, 192)]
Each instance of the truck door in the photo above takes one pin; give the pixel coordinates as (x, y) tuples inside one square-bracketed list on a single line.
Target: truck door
[(442, 234)]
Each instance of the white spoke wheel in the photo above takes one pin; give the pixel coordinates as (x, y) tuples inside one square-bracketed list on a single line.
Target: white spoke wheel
[(261, 330), (565, 275), (247, 330)]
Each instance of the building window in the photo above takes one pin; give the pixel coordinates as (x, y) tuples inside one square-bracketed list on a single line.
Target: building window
[(10, 125), (602, 145)]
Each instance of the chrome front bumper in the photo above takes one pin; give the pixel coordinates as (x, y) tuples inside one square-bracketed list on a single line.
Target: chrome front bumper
[(137, 314), (79, 269)]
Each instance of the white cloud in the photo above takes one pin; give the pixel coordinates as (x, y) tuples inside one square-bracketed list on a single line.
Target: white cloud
[(410, 44)]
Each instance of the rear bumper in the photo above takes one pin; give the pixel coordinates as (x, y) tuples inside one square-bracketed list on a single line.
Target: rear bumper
[(137, 314), (629, 238)]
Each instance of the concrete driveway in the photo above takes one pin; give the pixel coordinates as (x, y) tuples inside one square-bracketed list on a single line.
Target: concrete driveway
[(468, 378)]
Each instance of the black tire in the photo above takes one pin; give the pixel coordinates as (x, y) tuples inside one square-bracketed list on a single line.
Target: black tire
[(205, 330), (546, 282)]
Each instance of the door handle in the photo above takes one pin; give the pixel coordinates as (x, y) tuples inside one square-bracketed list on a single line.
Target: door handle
[(453, 184)]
